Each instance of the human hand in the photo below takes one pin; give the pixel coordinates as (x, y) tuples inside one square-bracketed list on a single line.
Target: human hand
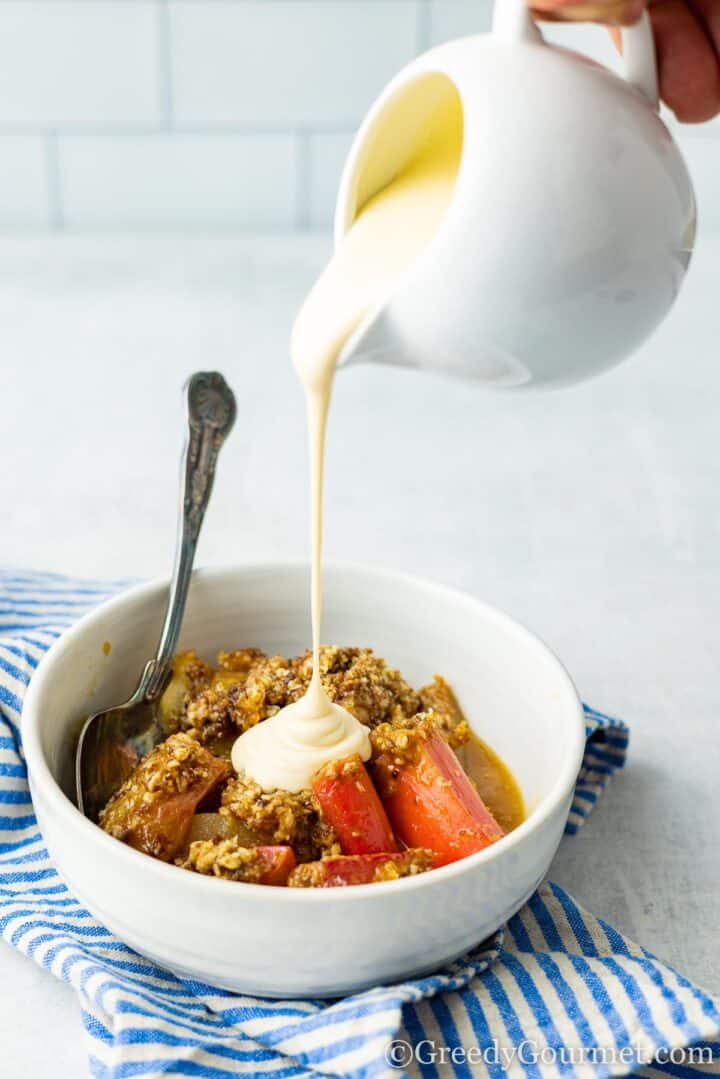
[(687, 40)]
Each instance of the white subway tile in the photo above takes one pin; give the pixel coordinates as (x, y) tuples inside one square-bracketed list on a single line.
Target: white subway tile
[(24, 196), (327, 155), (168, 180), (449, 19), (69, 62), (285, 63)]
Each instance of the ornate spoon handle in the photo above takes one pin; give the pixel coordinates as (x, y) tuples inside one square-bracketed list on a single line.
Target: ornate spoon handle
[(211, 412)]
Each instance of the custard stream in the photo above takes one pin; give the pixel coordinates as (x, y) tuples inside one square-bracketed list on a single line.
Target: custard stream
[(392, 229)]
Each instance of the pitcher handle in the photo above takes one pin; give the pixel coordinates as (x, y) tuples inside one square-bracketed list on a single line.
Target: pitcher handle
[(513, 21), (640, 60)]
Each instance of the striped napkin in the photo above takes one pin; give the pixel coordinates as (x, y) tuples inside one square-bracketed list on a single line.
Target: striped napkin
[(557, 992)]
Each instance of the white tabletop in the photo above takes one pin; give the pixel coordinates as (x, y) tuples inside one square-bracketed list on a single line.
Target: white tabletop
[(592, 515)]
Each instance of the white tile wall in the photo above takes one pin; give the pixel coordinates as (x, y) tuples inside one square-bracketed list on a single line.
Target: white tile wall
[(456, 18), (309, 64), (24, 197), (160, 180), (326, 157), (70, 63), (162, 113)]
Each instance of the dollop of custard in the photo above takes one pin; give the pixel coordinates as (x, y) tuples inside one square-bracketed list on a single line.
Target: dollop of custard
[(287, 750), (392, 229)]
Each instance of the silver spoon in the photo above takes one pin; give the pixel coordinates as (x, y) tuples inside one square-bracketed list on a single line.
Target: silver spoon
[(113, 741)]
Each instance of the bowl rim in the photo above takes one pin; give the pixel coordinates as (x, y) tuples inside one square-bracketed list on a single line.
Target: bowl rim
[(64, 810)]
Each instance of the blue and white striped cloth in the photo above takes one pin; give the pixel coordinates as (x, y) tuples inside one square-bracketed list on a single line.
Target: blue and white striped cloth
[(557, 992)]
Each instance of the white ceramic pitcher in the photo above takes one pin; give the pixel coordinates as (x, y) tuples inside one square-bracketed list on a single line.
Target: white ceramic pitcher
[(572, 221)]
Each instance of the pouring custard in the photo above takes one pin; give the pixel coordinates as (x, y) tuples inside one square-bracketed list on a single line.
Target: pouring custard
[(300, 808), (392, 229)]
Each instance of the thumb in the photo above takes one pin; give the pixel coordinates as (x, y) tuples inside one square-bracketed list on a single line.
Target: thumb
[(609, 12)]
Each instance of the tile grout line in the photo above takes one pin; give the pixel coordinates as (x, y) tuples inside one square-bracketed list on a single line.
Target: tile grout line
[(707, 134), (56, 217), (422, 26), (197, 130)]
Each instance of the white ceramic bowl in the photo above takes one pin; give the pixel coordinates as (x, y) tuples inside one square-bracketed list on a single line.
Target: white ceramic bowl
[(282, 942)]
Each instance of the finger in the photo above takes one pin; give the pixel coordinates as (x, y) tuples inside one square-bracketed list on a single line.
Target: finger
[(687, 62), (609, 12), (708, 12)]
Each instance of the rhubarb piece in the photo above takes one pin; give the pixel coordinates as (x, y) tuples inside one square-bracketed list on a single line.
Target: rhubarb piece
[(350, 804), (153, 809), (345, 871), (230, 860), (447, 714), (427, 796)]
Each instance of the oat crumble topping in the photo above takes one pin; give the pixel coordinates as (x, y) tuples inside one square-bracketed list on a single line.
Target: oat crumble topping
[(151, 808), (184, 803), (224, 858)]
